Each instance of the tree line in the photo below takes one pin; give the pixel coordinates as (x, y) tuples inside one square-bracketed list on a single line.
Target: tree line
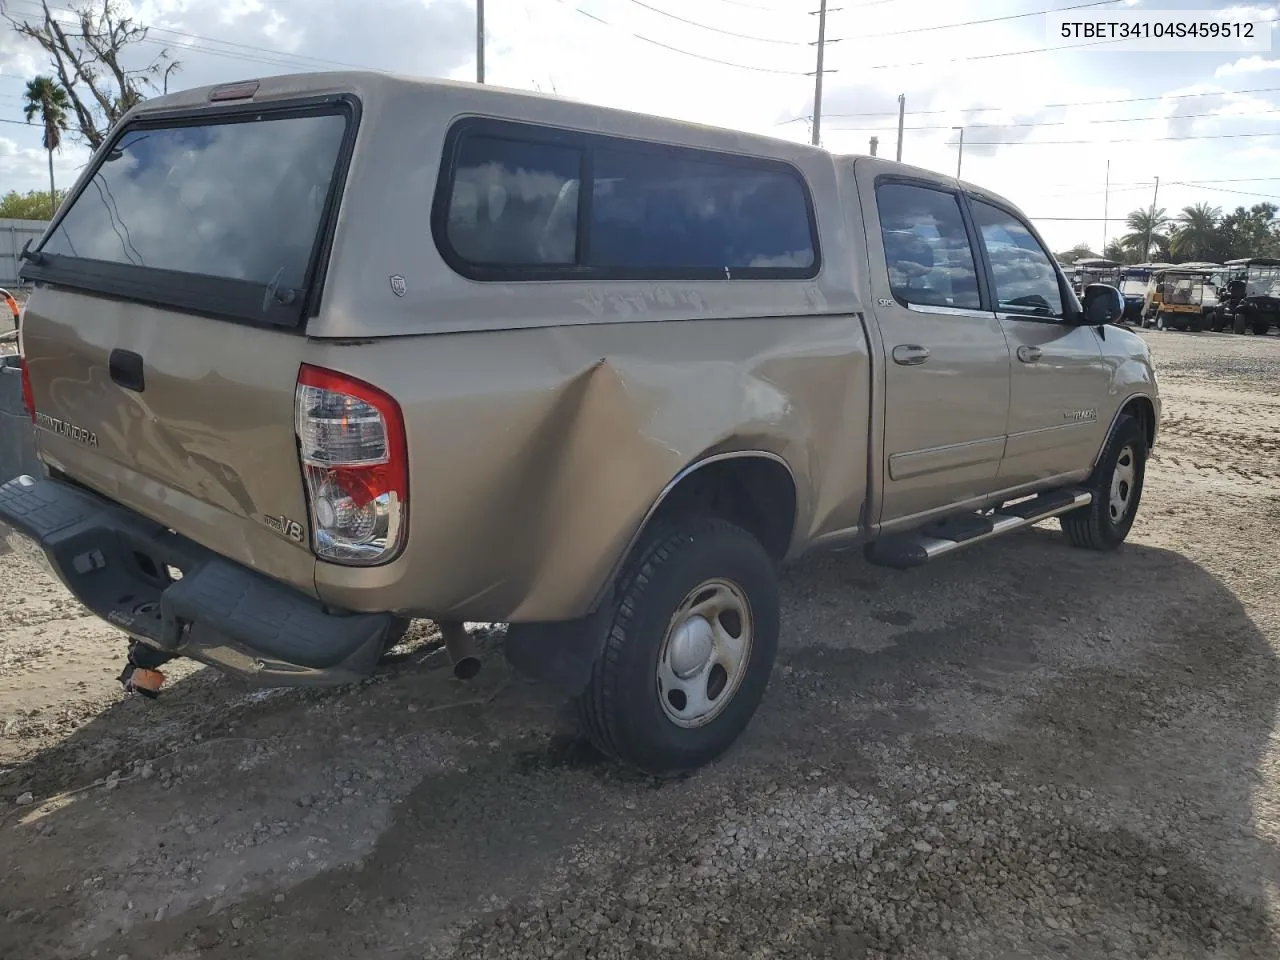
[(1201, 233)]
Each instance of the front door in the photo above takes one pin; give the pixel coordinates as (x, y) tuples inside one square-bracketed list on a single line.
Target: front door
[(1060, 382), (946, 361)]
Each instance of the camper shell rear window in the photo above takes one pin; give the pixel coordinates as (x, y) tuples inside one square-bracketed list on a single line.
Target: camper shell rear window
[(224, 212), (519, 201)]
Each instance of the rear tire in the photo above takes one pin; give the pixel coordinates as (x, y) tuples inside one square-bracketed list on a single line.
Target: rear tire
[(1238, 324), (674, 686), (1160, 322), (1116, 485), (1260, 327)]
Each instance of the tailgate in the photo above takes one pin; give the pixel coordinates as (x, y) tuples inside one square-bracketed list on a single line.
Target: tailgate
[(164, 337)]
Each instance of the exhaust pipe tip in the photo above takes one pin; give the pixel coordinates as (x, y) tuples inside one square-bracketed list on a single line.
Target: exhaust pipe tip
[(462, 650)]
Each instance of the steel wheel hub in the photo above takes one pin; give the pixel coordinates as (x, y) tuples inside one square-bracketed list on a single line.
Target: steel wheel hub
[(1123, 478), (705, 653)]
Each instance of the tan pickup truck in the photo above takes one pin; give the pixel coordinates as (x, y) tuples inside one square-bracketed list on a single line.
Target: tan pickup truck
[(312, 355)]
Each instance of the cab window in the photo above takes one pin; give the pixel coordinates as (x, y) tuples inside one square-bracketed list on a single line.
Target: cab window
[(1025, 280), (926, 247)]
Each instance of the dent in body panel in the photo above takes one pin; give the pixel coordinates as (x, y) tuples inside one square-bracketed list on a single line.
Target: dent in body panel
[(535, 454)]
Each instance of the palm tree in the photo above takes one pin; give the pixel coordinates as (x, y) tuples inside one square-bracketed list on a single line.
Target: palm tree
[(1196, 236), (46, 99), (1145, 231)]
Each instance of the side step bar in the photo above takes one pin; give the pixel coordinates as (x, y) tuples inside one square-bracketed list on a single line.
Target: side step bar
[(902, 551)]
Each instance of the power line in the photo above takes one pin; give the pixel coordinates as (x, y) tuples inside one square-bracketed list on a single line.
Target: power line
[(687, 53), (730, 33), (974, 23), (1069, 123), (1046, 106), (272, 57), (1060, 143)]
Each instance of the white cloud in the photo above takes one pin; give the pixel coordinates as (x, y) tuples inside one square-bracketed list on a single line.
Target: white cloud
[(1254, 64)]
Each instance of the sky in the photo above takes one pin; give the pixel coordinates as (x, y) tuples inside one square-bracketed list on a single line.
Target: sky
[(1207, 124)]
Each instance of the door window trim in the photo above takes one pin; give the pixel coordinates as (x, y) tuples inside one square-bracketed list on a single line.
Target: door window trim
[(986, 301)]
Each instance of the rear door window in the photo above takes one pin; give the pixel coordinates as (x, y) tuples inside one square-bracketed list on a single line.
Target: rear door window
[(236, 205), (926, 247)]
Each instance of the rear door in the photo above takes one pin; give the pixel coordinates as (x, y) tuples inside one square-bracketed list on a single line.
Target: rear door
[(166, 329), (1059, 380), (946, 361)]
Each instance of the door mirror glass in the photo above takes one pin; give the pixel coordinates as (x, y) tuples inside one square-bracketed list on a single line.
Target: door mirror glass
[(1102, 304)]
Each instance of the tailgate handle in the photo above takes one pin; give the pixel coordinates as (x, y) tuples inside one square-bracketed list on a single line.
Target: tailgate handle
[(125, 367)]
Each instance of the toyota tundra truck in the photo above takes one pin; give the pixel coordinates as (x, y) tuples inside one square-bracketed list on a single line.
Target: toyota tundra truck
[(309, 356)]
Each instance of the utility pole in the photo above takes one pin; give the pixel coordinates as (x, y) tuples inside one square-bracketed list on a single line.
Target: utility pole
[(875, 141), (821, 14), (1151, 219), (902, 109), (479, 41), (960, 155), (1106, 202)]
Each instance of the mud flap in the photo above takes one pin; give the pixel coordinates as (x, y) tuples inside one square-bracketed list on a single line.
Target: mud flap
[(560, 654)]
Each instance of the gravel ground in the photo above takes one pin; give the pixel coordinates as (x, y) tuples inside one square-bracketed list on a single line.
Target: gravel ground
[(1024, 751)]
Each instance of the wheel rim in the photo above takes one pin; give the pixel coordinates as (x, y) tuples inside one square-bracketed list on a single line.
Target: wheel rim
[(705, 653), (1123, 478)]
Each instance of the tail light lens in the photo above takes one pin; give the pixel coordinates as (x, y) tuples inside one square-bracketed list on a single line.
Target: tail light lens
[(356, 465)]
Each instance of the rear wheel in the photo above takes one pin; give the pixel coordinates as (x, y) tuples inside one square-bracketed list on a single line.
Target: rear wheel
[(689, 653), (1260, 327), (1215, 321), (1238, 323), (1116, 485), (1159, 321), (1196, 323)]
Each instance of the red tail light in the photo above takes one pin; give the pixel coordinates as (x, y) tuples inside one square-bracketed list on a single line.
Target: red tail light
[(356, 464), (28, 398)]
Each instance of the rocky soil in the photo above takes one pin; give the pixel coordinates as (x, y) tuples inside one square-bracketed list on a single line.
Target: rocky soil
[(1024, 751)]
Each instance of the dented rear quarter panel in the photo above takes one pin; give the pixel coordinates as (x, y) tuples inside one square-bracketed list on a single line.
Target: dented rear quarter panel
[(546, 418)]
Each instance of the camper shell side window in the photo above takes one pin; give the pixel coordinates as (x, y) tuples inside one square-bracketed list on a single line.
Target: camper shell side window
[(519, 201)]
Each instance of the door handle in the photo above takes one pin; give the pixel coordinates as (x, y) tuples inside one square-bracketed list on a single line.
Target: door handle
[(910, 354), (1029, 354), (125, 368)]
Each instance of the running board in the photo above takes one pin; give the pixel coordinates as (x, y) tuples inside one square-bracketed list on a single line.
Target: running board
[(902, 551)]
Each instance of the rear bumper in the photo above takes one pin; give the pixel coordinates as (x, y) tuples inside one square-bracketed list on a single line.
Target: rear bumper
[(117, 563)]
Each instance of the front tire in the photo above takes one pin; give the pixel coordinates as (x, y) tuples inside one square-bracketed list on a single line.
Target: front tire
[(690, 648), (1260, 327), (1116, 485), (1238, 323)]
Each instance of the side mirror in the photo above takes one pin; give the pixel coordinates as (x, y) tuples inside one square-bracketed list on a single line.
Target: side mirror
[(1102, 304)]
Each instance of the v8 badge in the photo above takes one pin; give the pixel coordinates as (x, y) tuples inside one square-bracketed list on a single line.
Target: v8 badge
[(285, 527)]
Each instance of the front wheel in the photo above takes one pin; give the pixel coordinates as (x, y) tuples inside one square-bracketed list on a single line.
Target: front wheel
[(1260, 327), (690, 649), (1116, 485), (1160, 321), (1238, 323)]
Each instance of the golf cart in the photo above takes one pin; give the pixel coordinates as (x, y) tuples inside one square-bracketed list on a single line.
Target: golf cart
[(1096, 270), (1176, 298), (1134, 280), (1250, 299)]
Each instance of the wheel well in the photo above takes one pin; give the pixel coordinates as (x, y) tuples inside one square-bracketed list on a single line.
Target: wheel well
[(1145, 412), (754, 492)]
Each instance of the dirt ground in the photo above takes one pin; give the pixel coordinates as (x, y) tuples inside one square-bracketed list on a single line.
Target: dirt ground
[(1022, 751)]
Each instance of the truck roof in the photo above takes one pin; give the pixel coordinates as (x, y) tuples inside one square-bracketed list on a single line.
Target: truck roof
[(526, 103)]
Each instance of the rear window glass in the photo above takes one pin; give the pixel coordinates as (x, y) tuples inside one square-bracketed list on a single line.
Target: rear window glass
[(232, 200), (514, 204)]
